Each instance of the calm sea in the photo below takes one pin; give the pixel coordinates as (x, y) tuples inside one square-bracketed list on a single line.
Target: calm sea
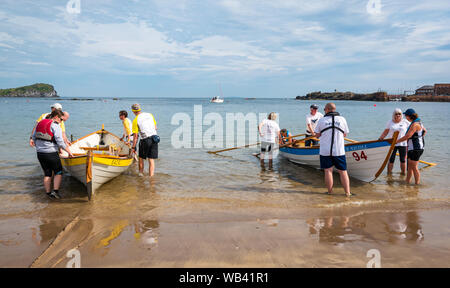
[(192, 186)]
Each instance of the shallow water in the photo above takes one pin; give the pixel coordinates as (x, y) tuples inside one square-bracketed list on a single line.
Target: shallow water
[(203, 210)]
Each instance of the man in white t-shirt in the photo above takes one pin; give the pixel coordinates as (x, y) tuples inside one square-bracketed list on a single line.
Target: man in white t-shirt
[(311, 123), (269, 131), (144, 126), (332, 129)]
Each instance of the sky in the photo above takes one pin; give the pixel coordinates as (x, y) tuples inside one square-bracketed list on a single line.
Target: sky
[(249, 48)]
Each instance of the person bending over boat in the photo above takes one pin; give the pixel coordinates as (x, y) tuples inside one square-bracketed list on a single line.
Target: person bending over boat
[(401, 125), (54, 107), (415, 141), (332, 129), (268, 131), (284, 137), (144, 125), (48, 139), (311, 122), (126, 122)]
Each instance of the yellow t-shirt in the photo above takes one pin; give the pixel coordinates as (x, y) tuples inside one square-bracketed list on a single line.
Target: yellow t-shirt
[(127, 126), (63, 127)]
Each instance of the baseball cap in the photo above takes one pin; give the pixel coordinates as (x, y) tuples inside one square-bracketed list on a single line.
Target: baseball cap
[(314, 106), (409, 112), (135, 107), (56, 106)]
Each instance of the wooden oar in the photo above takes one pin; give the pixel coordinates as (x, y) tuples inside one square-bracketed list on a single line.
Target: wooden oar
[(245, 146)]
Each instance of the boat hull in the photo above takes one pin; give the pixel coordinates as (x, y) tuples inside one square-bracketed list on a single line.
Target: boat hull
[(103, 169), (94, 163), (365, 160)]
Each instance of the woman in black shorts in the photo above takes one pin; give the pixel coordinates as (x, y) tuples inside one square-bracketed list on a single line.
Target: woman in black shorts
[(416, 144), (401, 125), (48, 139)]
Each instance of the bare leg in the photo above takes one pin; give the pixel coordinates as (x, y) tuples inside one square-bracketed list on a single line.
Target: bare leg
[(48, 184), (261, 159), (151, 169), (390, 166), (57, 182), (345, 181), (415, 170), (403, 167), (329, 179), (141, 165), (270, 163), (410, 172)]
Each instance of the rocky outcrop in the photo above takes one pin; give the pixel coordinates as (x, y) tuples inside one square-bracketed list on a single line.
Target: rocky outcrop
[(377, 96), (35, 90)]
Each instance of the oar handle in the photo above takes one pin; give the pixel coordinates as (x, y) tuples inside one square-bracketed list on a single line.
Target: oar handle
[(424, 162), (245, 146)]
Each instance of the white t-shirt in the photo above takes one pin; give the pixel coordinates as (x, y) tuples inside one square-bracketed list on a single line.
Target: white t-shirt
[(145, 125), (401, 127), (310, 119), (269, 130), (325, 137)]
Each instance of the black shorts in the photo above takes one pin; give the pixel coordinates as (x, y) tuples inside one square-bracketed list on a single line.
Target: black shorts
[(402, 151), (148, 148), (414, 155), (311, 141), (50, 163)]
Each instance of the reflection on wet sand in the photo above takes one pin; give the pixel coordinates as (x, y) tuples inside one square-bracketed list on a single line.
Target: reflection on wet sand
[(389, 227)]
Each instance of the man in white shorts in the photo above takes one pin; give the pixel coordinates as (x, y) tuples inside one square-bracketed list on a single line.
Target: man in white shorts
[(269, 131)]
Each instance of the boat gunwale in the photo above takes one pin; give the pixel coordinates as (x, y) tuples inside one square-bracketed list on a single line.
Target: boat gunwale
[(348, 144), (101, 131)]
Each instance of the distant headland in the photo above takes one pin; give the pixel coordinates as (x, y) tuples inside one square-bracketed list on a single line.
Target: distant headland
[(436, 93), (35, 90)]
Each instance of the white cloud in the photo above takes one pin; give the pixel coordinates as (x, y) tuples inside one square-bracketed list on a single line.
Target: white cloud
[(35, 63)]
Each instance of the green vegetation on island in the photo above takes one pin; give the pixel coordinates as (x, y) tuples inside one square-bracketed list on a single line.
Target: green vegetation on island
[(35, 90)]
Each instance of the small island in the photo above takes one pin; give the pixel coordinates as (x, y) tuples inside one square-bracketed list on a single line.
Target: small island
[(36, 90)]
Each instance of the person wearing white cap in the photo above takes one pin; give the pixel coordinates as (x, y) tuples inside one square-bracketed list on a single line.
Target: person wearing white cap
[(144, 126), (54, 107), (398, 123)]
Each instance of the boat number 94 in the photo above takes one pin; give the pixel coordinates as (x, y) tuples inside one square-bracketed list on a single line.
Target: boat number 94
[(115, 162), (359, 156)]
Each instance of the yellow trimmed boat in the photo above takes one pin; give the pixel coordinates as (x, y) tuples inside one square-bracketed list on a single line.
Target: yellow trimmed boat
[(98, 158)]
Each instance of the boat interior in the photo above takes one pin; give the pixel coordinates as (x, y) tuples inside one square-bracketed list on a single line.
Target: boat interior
[(101, 143)]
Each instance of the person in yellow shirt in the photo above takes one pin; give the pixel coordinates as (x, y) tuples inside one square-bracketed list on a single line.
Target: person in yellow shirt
[(65, 117), (144, 126), (126, 122)]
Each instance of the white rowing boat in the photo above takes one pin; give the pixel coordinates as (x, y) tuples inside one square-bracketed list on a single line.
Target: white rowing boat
[(98, 158), (365, 160)]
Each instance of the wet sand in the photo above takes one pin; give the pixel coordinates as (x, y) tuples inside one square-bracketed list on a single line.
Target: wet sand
[(140, 227)]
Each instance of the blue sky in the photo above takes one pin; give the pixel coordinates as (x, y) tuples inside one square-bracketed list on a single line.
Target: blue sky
[(254, 48)]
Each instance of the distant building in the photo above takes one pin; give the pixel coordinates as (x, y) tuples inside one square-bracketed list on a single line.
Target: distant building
[(425, 90), (441, 89)]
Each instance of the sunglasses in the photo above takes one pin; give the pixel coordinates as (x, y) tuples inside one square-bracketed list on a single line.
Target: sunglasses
[(398, 113)]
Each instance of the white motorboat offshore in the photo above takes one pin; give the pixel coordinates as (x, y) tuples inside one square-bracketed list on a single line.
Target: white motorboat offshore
[(365, 160), (98, 158)]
